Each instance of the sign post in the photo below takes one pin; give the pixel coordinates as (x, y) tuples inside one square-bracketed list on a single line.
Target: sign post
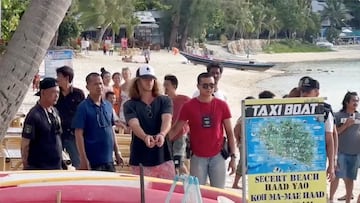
[(285, 150), (57, 58)]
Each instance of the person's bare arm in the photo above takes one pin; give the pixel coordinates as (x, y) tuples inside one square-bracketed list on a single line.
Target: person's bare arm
[(79, 136), (231, 142), (237, 133), (349, 122), (166, 119), (25, 145), (118, 157), (136, 128), (164, 129), (230, 135), (336, 142), (175, 129), (330, 155)]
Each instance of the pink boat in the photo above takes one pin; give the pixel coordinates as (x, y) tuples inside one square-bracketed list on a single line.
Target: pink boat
[(93, 186)]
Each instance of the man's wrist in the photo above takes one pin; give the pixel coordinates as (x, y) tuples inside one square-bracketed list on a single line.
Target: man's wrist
[(162, 134), (233, 156), (144, 137)]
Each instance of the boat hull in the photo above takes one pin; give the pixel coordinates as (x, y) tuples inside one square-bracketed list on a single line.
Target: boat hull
[(241, 65), (92, 186)]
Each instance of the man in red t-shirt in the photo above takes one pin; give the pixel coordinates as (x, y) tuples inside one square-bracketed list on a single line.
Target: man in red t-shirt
[(179, 141), (207, 117)]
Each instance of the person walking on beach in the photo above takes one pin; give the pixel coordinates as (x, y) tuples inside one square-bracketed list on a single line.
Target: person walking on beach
[(348, 123), (93, 124), (309, 87), (69, 99), (149, 114), (207, 117), (215, 69), (41, 143), (146, 53), (179, 141)]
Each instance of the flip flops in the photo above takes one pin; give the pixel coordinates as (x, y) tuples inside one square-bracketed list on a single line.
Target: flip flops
[(343, 198)]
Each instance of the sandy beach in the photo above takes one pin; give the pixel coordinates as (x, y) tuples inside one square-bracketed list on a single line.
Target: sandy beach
[(237, 84)]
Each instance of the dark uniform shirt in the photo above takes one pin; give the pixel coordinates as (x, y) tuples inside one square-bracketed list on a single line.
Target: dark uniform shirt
[(66, 105), (44, 130)]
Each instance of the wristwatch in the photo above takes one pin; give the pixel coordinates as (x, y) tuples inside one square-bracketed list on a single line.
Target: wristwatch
[(233, 156)]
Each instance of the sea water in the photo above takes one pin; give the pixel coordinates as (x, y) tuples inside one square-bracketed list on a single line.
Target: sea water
[(335, 78)]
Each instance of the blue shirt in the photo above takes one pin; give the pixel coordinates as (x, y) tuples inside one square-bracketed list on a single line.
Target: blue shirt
[(96, 122)]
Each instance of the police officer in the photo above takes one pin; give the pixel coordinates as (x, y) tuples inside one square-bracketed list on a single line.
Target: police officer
[(41, 142)]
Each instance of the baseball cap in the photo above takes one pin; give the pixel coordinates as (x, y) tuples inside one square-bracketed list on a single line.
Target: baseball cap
[(301, 81), (309, 84), (46, 83), (145, 71)]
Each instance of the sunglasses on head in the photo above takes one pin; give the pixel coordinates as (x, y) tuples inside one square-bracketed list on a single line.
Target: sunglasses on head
[(208, 85)]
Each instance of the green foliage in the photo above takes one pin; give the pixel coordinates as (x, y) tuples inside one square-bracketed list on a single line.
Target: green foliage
[(332, 34), (353, 7), (12, 10), (105, 13), (336, 12), (287, 46), (143, 5), (238, 18), (68, 29), (289, 138)]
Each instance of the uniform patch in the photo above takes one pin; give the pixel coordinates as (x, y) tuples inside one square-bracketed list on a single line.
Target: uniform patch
[(27, 129)]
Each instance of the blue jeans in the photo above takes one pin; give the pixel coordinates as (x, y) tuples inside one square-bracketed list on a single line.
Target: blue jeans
[(348, 165), (69, 144), (214, 167)]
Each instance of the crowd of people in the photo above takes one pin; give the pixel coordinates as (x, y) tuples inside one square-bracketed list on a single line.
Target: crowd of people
[(164, 126)]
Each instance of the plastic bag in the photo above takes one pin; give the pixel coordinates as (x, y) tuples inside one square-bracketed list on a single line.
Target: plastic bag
[(191, 185)]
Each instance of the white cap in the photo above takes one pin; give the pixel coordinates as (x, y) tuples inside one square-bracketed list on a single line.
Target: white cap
[(145, 71)]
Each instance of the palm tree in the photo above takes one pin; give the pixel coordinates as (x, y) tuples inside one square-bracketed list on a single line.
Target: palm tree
[(25, 52), (238, 17), (107, 13), (335, 12), (259, 16)]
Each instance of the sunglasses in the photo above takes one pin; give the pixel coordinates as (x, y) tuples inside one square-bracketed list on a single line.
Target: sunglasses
[(149, 112), (208, 85)]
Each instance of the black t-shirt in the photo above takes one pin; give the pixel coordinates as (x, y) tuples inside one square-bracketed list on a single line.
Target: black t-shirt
[(44, 130), (149, 117), (67, 105)]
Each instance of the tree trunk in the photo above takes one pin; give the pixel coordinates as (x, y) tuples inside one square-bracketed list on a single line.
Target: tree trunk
[(184, 36), (235, 30), (269, 37), (175, 26), (25, 52), (102, 32), (54, 40)]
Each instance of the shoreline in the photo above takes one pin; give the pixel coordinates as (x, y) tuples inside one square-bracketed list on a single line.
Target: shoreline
[(236, 83), (336, 54)]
